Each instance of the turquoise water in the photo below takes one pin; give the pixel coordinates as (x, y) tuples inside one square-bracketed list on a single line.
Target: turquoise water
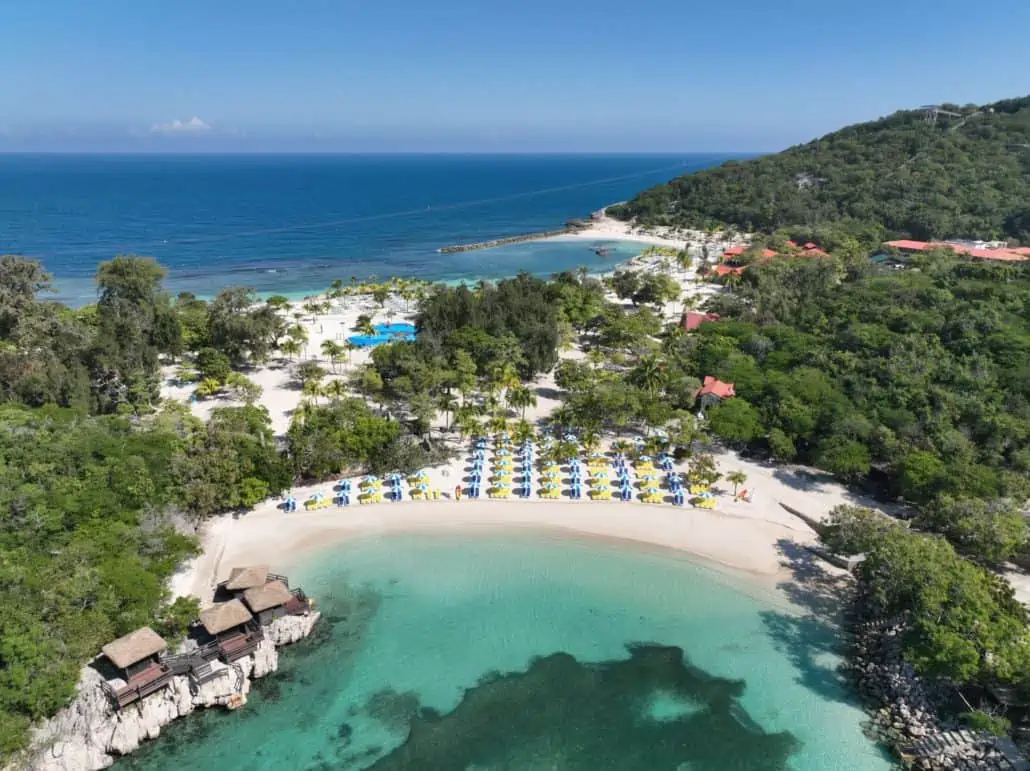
[(522, 652), (291, 224)]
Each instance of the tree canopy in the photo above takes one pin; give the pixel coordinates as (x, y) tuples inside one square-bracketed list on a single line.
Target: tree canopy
[(910, 174)]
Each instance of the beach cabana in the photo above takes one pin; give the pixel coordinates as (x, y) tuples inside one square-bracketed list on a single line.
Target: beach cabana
[(241, 579), (136, 666), (233, 628), (268, 602)]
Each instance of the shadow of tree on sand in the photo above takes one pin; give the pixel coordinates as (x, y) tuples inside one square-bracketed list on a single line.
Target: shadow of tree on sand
[(811, 635)]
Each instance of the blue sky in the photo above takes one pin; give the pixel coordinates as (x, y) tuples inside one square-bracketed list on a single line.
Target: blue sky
[(407, 75)]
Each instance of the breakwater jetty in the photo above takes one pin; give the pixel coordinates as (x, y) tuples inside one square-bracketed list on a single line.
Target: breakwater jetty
[(572, 226)]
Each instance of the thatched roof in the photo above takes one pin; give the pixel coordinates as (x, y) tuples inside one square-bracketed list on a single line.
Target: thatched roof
[(247, 578), (224, 615), (135, 646), (268, 596)]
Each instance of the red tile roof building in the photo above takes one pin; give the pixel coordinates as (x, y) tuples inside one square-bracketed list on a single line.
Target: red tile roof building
[(1017, 254), (716, 388), (691, 320)]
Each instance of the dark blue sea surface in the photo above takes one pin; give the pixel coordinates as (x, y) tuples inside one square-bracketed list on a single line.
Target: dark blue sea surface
[(293, 223)]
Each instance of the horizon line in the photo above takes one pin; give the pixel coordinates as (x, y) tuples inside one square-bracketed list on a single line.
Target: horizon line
[(380, 153)]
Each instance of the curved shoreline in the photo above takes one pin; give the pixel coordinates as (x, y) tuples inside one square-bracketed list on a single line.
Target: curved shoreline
[(751, 546)]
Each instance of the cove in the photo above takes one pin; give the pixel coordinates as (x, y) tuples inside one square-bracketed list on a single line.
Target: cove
[(523, 651)]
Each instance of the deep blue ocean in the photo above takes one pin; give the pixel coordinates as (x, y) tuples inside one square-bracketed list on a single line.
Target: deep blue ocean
[(293, 223)]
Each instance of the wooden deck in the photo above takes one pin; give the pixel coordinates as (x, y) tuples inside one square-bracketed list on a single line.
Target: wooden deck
[(240, 644), (150, 680)]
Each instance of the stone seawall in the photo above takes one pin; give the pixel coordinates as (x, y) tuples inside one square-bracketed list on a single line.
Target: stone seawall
[(570, 227), (89, 733), (905, 708)]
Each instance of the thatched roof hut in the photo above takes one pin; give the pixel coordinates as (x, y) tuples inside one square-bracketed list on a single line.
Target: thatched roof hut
[(134, 647), (271, 595), (223, 616), (247, 578)]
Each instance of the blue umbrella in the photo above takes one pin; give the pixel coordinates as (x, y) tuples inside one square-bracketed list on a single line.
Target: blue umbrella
[(627, 493)]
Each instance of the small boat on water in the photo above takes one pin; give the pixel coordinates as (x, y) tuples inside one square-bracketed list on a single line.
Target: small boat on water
[(601, 251)]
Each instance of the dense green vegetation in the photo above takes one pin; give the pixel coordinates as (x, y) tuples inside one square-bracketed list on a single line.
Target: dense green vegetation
[(966, 175), (917, 378), (962, 623), (101, 485)]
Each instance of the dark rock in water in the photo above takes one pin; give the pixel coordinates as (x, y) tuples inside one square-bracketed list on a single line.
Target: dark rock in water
[(344, 733), (393, 709), (571, 716)]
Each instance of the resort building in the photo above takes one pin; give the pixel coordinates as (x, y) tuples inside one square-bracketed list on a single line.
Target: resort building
[(240, 580), (691, 320), (1006, 254), (235, 631), (268, 602), (134, 666), (713, 390)]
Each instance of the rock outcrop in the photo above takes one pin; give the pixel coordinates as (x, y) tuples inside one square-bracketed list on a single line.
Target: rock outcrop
[(89, 733), (905, 708)]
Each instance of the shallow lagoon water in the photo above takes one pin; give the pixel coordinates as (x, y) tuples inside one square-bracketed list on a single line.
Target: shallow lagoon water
[(521, 651)]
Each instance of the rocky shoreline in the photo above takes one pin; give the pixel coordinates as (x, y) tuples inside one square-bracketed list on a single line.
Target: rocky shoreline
[(89, 733), (905, 708)]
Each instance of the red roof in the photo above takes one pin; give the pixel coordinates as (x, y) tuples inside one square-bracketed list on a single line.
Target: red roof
[(736, 251), (1025, 250), (808, 245), (717, 388), (693, 319), (811, 250), (724, 270), (912, 246), (794, 244), (1005, 255)]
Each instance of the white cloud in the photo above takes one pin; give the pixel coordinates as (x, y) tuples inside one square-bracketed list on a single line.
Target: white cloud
[(193, 126)]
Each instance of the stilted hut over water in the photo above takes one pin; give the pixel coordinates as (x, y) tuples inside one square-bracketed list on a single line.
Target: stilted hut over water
[(234, 629), (137, 666), (268, 602)]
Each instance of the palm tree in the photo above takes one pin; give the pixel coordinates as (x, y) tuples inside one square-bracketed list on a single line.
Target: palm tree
[(290, 347), (649, 375), (335, 390), (447, 404), (312, 389), (522, 397), (332, 351), (498, 424), (349, 348), (367, 327), (590, 440), (466, 423), (208, 387), (522, 431), (736, 478)]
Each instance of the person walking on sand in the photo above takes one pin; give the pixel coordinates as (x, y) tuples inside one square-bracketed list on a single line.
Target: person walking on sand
[(457, 492)]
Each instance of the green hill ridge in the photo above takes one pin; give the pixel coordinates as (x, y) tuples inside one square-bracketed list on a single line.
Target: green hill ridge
[(929, 173)]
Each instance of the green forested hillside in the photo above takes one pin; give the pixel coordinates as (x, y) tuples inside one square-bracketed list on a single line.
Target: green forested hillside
[(962, 175)]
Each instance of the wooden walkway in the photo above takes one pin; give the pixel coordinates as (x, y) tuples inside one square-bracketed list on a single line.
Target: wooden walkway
[(942, 743), (1011, 753)]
